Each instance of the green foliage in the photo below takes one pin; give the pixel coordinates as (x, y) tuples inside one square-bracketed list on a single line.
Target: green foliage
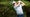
[(8, 11)]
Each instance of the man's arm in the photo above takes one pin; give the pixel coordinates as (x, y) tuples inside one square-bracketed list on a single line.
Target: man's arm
[(22, 3)]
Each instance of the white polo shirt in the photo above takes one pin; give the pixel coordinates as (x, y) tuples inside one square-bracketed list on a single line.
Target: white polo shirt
[(18, 9)]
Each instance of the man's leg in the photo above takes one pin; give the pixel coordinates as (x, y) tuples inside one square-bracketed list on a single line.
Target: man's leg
[(20, 15)]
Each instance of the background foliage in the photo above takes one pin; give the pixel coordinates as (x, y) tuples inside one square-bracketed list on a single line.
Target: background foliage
[(7, 10)]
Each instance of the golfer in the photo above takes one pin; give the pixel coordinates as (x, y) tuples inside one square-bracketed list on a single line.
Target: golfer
[(18, 8)]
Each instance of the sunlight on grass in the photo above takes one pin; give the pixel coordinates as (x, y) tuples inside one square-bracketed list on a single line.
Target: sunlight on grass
[(3, 2)]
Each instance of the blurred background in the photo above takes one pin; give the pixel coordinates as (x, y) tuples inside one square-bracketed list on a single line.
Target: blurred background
[(7, 10)]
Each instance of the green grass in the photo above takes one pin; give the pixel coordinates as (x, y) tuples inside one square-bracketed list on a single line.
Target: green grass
[(27, 3), (3, 2)]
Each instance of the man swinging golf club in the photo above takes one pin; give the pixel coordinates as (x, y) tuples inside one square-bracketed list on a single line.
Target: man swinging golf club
[(18, 8)]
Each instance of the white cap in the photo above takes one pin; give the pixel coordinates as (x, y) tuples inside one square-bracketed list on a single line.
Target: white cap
[(13, 2)]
